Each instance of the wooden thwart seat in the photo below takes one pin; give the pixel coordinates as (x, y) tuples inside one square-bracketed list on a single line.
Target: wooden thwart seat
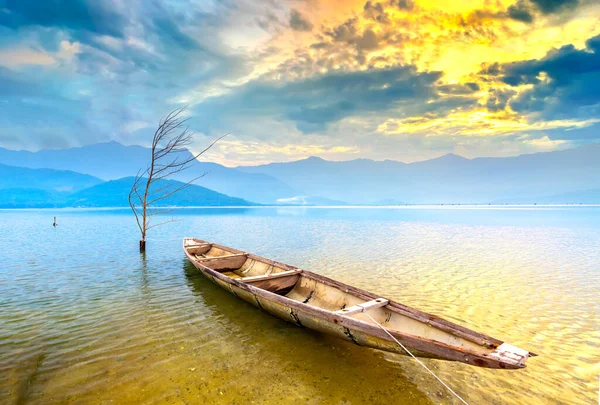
[(198, 245), (379, 302), (205, 259), (270, 276)]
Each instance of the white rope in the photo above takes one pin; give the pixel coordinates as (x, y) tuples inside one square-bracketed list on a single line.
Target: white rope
[(418, 361)]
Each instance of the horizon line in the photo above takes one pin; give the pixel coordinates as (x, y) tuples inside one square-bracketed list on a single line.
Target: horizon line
[(449, 154)]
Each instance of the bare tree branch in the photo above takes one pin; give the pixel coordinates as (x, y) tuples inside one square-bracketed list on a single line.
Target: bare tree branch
[(169, 156), (165, 222)]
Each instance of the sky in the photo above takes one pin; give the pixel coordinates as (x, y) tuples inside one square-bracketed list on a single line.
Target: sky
[(406, 80)]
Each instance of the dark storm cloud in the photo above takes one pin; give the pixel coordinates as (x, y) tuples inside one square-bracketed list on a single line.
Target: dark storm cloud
[(570, 88), (94, 16), (315, 102), (521, 11), (526, 10), (298, 22), (565, 85), (553, 6)]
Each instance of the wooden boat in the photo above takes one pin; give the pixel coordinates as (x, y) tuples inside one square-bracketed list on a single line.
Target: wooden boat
[(320, 303)]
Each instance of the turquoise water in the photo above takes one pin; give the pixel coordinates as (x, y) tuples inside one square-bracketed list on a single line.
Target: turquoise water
[(84, 318)]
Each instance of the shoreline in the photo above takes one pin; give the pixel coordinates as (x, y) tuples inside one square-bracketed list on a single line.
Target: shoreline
[(407, 206)]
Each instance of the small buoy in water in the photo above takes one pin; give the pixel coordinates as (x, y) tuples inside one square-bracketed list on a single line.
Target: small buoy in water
[(54, 224)]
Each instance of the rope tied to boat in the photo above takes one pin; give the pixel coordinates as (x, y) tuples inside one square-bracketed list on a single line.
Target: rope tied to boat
[(414, 357)]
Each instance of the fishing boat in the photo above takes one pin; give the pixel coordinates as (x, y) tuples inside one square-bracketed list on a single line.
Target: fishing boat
[(313, 301)]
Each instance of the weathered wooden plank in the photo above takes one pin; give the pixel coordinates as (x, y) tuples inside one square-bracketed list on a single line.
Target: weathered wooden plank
[(205, 259), (379, 302), (252, 279), (198, 245), (278, 284)]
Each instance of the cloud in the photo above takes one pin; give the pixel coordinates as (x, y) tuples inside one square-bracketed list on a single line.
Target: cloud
[(553, 6), (459, 89), (498, 99), (312, 74), (407, 5), (521, 11), (40, 112), (94, 16), (350, 33), (298, 22), (525, 10), (563, 84), (125, 71), (13, 58), (315, 102), (376, 12), (18, 57)]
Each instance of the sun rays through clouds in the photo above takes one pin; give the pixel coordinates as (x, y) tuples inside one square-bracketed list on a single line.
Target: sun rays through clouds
[(398, 79)]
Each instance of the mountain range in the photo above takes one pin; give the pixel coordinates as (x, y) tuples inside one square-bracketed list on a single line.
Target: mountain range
[(568, 176), (45, 179), (448, 179), (114, 193), (48, 188), (112, 161)]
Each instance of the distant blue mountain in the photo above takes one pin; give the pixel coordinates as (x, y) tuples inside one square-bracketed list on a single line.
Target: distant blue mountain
[(114, 193), (44, 179), (448, 179), (107, 161), (315, 181), (110, 161)]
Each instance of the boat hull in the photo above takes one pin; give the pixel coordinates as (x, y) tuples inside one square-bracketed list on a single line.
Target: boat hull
[(302, 318), (351, 329)]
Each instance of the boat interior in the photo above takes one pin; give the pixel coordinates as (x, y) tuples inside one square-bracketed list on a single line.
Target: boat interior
[(317, 291)]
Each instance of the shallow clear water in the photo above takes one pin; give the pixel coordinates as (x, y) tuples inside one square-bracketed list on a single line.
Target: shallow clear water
[(85, 319)]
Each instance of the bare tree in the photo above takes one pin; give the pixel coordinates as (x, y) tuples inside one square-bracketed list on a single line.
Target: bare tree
[(169, 156)]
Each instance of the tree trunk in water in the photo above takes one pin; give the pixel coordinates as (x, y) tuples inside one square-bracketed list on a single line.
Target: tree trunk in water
[(142, 246)]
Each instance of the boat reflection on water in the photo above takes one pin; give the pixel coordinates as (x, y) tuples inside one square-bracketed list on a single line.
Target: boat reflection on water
[(314, 362)]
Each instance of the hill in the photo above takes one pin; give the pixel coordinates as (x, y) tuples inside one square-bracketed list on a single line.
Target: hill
[(115, 193), (111, 161), (315, 181), (448, 179), (13, 177)]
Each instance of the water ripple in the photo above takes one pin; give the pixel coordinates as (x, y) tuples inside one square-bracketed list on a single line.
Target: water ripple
[(84, 318)]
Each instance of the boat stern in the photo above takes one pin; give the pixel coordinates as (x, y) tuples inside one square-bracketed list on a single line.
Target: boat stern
[(509, 356)]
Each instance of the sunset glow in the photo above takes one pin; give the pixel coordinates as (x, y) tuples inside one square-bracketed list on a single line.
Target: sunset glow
[(392, 79)]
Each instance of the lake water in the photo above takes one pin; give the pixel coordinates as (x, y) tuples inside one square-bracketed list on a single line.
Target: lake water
[(84, 318)]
